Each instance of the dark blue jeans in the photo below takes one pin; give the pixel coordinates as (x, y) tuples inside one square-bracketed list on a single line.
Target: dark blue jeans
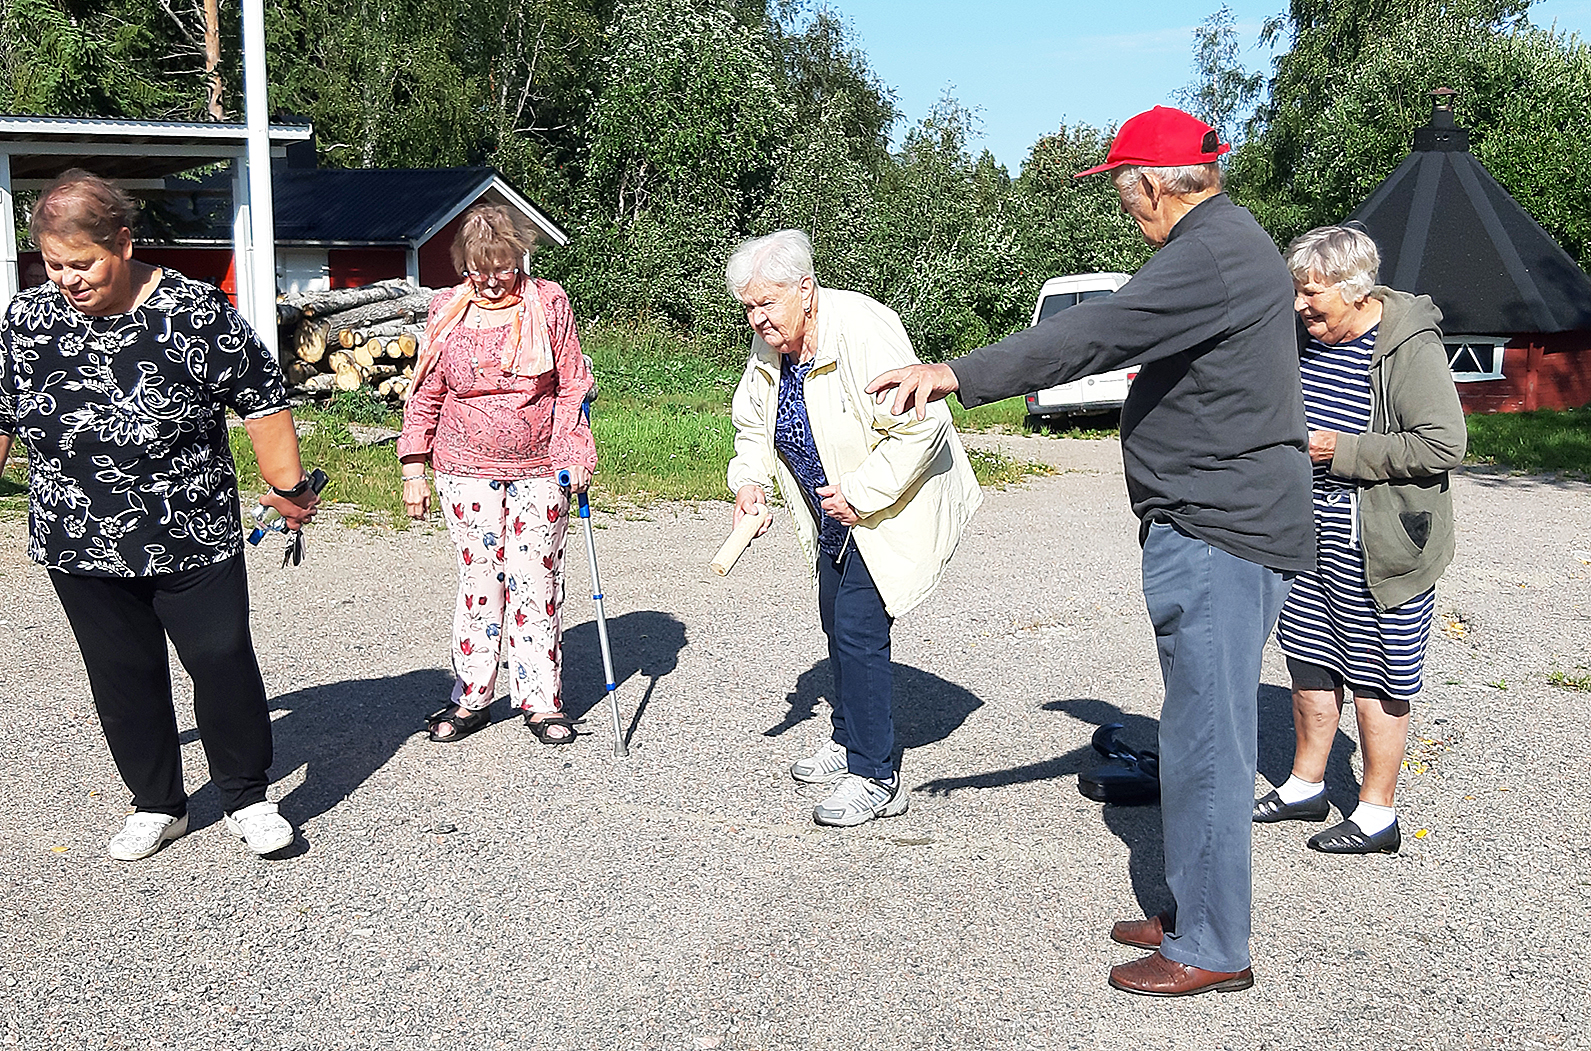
[(853, 616), (1212, 613)]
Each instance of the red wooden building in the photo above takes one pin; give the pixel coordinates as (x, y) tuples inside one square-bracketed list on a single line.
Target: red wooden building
[(1516, 309), (335, 228)]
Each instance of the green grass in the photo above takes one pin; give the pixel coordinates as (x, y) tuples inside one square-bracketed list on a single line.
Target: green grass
[(996, 470), (363, 475), (1533, 441), (1009, 416), (661, 419), (14, 484), (1570, 681), (661, 423)]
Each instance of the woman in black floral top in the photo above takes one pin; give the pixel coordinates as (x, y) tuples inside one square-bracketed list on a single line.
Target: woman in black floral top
[(116, 377)]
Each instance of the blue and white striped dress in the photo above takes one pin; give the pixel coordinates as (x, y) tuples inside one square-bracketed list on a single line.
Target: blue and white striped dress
[(1329, 618)]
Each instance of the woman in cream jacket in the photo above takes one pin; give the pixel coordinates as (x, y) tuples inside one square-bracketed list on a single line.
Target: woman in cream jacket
[(878, 501)]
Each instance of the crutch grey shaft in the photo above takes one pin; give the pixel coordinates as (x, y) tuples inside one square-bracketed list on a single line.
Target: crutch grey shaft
[(602, 619)]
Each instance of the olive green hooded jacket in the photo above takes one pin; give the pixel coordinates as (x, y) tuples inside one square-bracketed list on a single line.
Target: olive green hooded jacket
[(1416, 435)]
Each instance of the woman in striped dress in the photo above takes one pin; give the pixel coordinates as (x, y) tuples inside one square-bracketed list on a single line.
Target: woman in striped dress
[(1385, 427)]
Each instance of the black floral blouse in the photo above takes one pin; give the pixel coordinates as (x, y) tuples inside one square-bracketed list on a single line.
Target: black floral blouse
[(123, 418)]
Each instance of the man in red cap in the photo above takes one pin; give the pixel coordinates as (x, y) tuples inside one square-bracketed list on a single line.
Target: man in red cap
[(1213, 442)]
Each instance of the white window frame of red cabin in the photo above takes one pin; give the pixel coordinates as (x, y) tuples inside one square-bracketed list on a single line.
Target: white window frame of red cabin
[(1481, 350)]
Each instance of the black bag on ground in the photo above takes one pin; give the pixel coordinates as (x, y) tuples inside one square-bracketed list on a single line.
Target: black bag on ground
[(1127, 777)]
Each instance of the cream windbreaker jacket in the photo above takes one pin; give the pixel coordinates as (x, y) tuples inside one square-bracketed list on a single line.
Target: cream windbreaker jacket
[(909, 480)]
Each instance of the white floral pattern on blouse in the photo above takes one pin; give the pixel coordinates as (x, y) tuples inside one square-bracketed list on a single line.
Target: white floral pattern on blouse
[(123, 417)]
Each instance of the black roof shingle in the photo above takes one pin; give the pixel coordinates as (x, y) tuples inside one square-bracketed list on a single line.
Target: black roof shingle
[(1448, 230)]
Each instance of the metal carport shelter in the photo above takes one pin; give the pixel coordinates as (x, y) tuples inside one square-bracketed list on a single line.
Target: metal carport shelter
[(138, 155)]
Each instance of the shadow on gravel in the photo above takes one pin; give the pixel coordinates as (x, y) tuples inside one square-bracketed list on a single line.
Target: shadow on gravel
[(1277, 742), (927, 708), (342, 733), (645, 642), (1138, 827)]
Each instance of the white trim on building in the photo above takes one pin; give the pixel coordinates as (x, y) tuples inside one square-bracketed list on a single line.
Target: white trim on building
[(134, 153)]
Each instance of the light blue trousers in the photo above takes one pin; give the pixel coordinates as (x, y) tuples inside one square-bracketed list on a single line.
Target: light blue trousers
[(1212, 613)]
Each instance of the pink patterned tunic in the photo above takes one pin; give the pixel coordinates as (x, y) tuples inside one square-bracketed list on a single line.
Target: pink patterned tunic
[(476, 421)]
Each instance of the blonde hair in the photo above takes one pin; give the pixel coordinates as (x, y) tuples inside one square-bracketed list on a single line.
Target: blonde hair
[(490, 236), (1339, 255), (80, 202)]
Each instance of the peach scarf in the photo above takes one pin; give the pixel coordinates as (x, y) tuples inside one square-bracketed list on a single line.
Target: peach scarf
[(526, 351)]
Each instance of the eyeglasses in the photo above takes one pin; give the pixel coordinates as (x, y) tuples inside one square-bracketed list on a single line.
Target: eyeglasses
[(507, 273)]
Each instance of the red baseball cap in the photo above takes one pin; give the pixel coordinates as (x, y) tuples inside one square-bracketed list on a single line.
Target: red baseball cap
[(1162, 138)]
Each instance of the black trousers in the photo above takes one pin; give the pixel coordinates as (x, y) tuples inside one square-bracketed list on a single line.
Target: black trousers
[(122, 624)]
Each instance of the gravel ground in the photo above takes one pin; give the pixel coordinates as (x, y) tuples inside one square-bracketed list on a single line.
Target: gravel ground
[(497, 893)]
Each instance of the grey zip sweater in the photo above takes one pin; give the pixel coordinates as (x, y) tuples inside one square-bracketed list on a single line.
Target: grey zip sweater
[(1212, 435), (1416, 436)]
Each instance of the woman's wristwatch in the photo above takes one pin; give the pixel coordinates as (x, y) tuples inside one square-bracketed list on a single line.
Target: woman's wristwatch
[(296, 491)]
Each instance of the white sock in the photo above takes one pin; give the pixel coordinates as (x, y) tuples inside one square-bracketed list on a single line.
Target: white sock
[(1372, 818), (1294, 790)]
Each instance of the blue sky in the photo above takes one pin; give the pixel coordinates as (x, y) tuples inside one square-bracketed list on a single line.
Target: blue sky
[(1030, 65)]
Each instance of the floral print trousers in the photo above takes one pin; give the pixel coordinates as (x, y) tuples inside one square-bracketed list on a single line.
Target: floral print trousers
[(510, 539)]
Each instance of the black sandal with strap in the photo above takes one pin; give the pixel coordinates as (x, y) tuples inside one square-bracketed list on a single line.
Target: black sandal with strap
[(539, 727), (1349, 838), (463, 725)]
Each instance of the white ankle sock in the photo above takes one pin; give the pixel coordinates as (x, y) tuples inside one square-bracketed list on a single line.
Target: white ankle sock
[(1372, 818), (1295, 791)]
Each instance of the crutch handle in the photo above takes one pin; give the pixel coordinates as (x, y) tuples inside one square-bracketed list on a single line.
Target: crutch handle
[(580, 498)]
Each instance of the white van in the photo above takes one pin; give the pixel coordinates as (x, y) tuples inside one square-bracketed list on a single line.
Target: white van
[(1101, 393)]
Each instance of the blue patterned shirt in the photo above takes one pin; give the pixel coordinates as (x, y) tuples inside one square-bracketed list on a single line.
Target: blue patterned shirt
[(792, 437)]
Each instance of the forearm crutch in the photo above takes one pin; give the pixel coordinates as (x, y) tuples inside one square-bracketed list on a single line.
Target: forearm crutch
[(602, 621)]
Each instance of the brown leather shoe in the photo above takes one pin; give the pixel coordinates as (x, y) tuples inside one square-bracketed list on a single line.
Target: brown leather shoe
[(1154, 975), (1141, 934)]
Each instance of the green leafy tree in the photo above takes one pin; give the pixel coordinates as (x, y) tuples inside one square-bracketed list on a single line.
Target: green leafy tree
[(946, 244), (1074, 226), (129, 58), (682, 144), (827, 181), (1222, 91), (1344, 100)]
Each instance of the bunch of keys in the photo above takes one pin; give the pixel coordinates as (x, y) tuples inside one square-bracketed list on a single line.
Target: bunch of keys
[(269, 519)]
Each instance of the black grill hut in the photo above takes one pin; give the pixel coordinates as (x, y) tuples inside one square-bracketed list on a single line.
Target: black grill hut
[(1516, 309)]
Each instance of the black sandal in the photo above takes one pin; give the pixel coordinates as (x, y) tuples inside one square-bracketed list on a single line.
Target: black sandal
[(463, 725), (539, 727), (1348, 838)]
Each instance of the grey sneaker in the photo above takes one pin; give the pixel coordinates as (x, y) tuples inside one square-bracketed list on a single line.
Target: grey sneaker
[(145, 833), (857, 799), (825, 765), (261, 828)]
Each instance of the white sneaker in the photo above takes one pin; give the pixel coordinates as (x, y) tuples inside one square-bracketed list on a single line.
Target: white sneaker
[(261, 827), (144, 833), (825, 765), (858, 799)]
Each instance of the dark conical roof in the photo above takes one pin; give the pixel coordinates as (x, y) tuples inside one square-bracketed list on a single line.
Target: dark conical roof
[(1447, 229)]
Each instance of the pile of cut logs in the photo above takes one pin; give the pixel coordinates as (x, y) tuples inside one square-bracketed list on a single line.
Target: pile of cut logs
[(348, 338)]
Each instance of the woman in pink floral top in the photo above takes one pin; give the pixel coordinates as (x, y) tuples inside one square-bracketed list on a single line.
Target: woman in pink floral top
[(495, 409)]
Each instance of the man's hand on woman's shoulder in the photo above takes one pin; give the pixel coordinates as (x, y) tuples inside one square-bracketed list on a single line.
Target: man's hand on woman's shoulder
[(914, 386)]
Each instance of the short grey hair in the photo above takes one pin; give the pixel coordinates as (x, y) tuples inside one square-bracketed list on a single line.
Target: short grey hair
[(1181, 181), (1339, 255), (781, 258)]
